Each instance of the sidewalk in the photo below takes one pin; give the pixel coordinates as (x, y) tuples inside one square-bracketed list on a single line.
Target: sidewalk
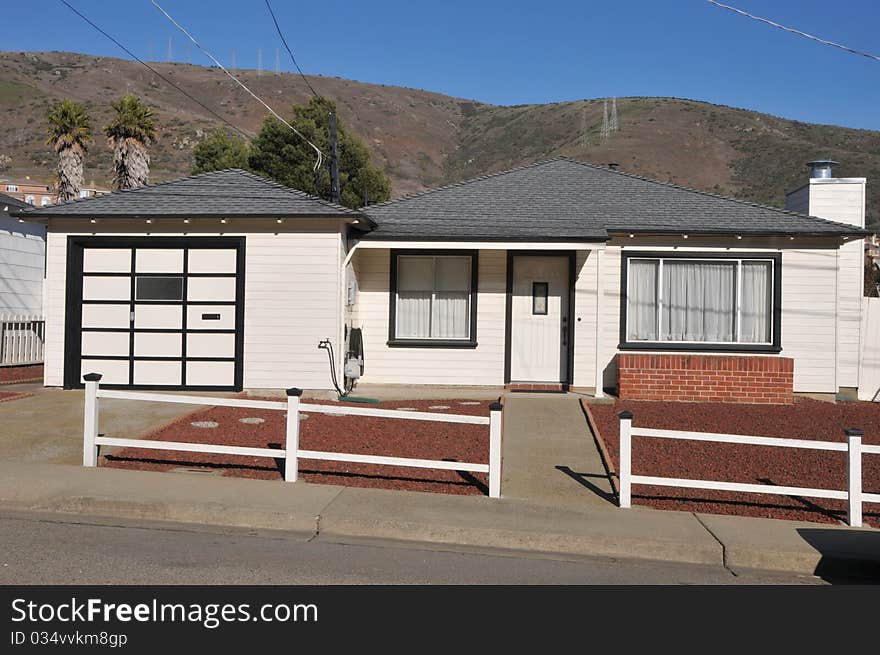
[(340, 514)]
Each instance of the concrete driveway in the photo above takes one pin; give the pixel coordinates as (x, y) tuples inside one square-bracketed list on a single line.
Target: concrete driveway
[(47, 426)]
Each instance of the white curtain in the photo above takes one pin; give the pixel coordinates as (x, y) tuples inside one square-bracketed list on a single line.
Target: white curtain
[(433, 297), (698, 301), (755, 305), (642, 300)]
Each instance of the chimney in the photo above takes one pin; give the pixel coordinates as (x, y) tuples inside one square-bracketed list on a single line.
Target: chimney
[(840, 199)]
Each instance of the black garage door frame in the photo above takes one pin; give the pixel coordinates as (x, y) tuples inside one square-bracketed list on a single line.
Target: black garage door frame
[(73, 304)]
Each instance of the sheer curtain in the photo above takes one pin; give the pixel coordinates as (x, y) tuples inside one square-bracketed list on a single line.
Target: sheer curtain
[(642, 300), (698, 301), (755, 305), (433, 297)]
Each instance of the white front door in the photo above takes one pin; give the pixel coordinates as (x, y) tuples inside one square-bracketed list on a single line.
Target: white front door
[(539, 319)]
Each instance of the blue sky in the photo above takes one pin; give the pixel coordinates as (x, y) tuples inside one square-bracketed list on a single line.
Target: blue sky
[(515, 52)]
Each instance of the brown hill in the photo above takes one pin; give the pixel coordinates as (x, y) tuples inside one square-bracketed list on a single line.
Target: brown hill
[(424, 139)]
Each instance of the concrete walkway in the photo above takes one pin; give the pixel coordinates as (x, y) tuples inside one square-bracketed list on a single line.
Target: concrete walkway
[(550, 456), (47, 426)]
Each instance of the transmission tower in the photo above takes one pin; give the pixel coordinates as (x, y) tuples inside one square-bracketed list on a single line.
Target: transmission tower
[(277, 61), (604, 133), (583, 127), (259, 61), (170, 53), (233, 59), (613, 125)]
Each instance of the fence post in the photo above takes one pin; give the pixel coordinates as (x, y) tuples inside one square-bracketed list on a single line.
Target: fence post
[(625, 473), (291, 445), (854, 476), (90, 420), (495, 450)]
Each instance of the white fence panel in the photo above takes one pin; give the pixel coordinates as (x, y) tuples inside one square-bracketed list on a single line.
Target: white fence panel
[(292, 453), (21, 340), (854, 494)]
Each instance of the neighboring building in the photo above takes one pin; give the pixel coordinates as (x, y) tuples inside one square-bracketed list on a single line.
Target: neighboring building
[(90, 192), (551, 276), (30, 192), (22, 262)]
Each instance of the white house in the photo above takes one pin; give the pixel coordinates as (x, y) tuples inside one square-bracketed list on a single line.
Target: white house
[(22, 261), (551, 276)]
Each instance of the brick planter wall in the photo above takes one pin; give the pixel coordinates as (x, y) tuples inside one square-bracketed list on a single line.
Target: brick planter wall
[(706, 378)]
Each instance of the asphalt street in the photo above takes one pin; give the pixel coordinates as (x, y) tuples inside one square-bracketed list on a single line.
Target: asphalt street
[(40, 548)]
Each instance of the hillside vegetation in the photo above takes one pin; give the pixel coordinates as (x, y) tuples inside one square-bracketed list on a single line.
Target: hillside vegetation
[(423, 139)]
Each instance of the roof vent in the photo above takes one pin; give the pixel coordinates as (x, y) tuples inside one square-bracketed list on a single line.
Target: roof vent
[(821, 168), (613, 165)]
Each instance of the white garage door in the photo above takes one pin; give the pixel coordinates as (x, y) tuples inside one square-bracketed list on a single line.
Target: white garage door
[(161, 317)]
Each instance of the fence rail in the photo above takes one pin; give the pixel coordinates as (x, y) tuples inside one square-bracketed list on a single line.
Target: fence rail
[(291, 453), (21, 340), (854, 494)]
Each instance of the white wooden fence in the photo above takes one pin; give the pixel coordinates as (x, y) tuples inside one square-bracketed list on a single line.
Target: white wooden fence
[(21, 339), (854, 495), (291, 453)]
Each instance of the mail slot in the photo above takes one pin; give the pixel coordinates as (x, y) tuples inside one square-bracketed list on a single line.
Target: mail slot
[(210, 317)]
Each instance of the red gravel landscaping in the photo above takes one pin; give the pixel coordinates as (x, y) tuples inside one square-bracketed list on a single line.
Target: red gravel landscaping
[(805, 419), (347, 434)]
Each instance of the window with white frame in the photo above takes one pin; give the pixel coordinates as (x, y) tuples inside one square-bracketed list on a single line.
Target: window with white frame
[(434, 297), (706, 301), (45, 201), (30, 200), (12, 187)]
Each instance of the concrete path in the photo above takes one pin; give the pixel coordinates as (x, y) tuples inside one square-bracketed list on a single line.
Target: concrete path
[(47, 427), (550, 455)]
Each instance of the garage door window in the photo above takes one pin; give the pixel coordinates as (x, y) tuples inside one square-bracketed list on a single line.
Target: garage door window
[(158, 288)]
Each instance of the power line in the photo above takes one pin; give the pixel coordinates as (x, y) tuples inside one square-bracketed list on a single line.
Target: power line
[(317, 150), (157, 73), (289, 51), (795, 31)]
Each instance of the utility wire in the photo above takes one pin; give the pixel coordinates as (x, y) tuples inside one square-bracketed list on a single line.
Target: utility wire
[(317, 150), (289, 51), (794, 31), (155, 72)]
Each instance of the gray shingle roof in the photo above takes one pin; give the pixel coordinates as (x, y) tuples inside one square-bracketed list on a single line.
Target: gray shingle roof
[(563, 199), (230, 192)]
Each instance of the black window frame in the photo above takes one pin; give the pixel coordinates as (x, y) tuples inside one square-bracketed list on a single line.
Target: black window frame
[(775, 346), (393, 340)]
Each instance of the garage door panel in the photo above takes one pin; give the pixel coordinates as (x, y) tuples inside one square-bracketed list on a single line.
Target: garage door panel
[(212, 260), (210, 317), (158, 316), (158, 260), (210, 345), (200, 289), (113, 371), (107, 260), (210, 373), (105, 343), (153, 344), (106, 316), (106, 288), (158, 373)]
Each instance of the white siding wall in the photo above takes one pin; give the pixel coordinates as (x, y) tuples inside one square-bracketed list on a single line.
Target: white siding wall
[(808, 316), (22, 256), (483, 365), (292, 300), (809, 287)]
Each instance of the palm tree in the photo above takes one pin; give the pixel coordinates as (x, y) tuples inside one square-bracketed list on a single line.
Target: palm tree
[(70, 131), (129, 133)]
